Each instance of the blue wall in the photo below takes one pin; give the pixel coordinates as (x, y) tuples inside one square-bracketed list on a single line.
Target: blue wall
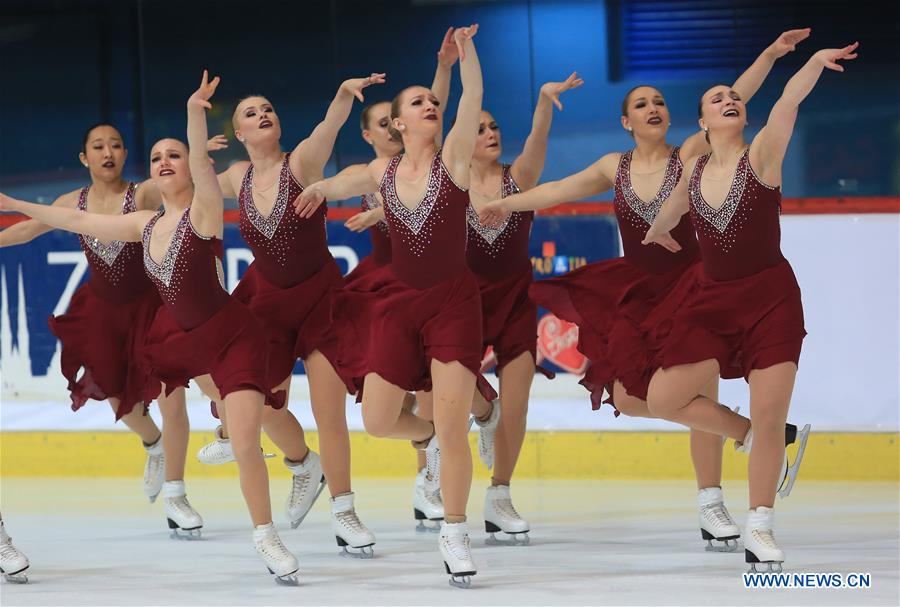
[(69, 64)]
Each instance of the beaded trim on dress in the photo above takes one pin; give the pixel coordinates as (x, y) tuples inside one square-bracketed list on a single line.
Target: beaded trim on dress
[(508, 187), (649, 210), (108, 252), (267, 224)]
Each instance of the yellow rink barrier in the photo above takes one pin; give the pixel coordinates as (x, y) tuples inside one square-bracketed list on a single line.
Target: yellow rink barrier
[(835, 456)]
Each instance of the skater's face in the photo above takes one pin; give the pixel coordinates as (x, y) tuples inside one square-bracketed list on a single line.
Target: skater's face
[(645, 114), (416, 111), (488, 146), (375, 131), (255, 121), (104, 152), (169, 167), (721, 108)]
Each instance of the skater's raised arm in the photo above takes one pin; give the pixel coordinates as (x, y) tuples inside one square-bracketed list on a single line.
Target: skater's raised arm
[(28, 230), (207, 206), (345, 184), (770, 144), (527, 168), (460, 143), (310, 156), (126, 227), (749, 82), (596, 179)]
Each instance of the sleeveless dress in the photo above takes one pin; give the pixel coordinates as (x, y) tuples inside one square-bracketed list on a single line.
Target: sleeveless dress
[(381, 243), (201, 329), (745, 308), (609, 300), (498, 256), (290, 284), (106, 320), (425, 304)]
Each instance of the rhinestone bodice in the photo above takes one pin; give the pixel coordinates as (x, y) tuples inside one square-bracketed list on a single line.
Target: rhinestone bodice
[(379, 233), (634, 217), (743, 236), (286, 248), (497, 252), (116, 272), (428, 242), (189, 278)]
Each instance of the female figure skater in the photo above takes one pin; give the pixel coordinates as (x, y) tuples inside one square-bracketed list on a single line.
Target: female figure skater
[(745, 305), (200, 329), (289, 287), (424, 323), (110, 313), (609, 300), (498, 256)]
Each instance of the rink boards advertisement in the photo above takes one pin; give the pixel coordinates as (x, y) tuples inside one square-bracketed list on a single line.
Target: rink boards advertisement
[(38, 279)]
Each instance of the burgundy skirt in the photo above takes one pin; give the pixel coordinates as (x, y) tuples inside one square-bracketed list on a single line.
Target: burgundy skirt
[(368, 265), (296, 321), (101, 337), (392, 329), (230, 347), (747, 323), (609, 300)]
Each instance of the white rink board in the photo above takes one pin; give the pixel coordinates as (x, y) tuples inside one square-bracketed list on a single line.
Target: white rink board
[(848, 267)]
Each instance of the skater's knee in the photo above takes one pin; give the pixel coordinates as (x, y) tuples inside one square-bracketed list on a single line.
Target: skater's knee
[(768, 417), (377, 424), (661, 402)]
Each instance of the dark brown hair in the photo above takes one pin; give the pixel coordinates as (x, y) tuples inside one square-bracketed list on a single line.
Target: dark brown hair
[(90, 130)]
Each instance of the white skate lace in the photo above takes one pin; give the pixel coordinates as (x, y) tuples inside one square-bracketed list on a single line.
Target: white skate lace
[(273, 549), (182, 506), (299, 488), (215, 451), (8, 551), (718, 515), (350, 521), (155, 465), (505, 507), (433, 465), (459, 546), (766, 538)]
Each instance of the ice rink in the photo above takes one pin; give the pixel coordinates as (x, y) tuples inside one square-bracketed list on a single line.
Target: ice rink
[(98, 542)]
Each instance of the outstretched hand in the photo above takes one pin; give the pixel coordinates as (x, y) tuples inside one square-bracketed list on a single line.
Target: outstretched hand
[(355, 86), (362, 221), (554, 89), (308, 201), (5, 202), (202, 95), (830, 56), (664, 239), (493, 213), (787, 42), (448, 54), (219, 142), (460, 35)]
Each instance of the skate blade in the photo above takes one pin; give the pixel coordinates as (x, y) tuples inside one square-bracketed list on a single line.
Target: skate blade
[(422, 527), (772, 567), (296, 523), (187, 535), (289, 579), (726, 545), (512, 539), (363, 552), (16, 578), (462, 579), (152, 498), (794, 469)]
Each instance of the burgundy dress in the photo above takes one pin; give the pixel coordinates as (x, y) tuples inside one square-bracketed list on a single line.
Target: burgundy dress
[(609, 300), (744, 309), (290, 284), (381, 243), (201, 329), (500, 261), (424, 305), (105, 321)]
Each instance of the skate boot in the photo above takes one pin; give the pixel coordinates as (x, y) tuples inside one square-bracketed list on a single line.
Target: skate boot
[(219, 451), (349, 530), (457, 552), (500, 516), (759, 541), (428, 507), (486, 431), (789, 471), (306, 486), (12, 562), (715, 521), (278, 559), (184, 522), (431, 483), (154, 470)]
